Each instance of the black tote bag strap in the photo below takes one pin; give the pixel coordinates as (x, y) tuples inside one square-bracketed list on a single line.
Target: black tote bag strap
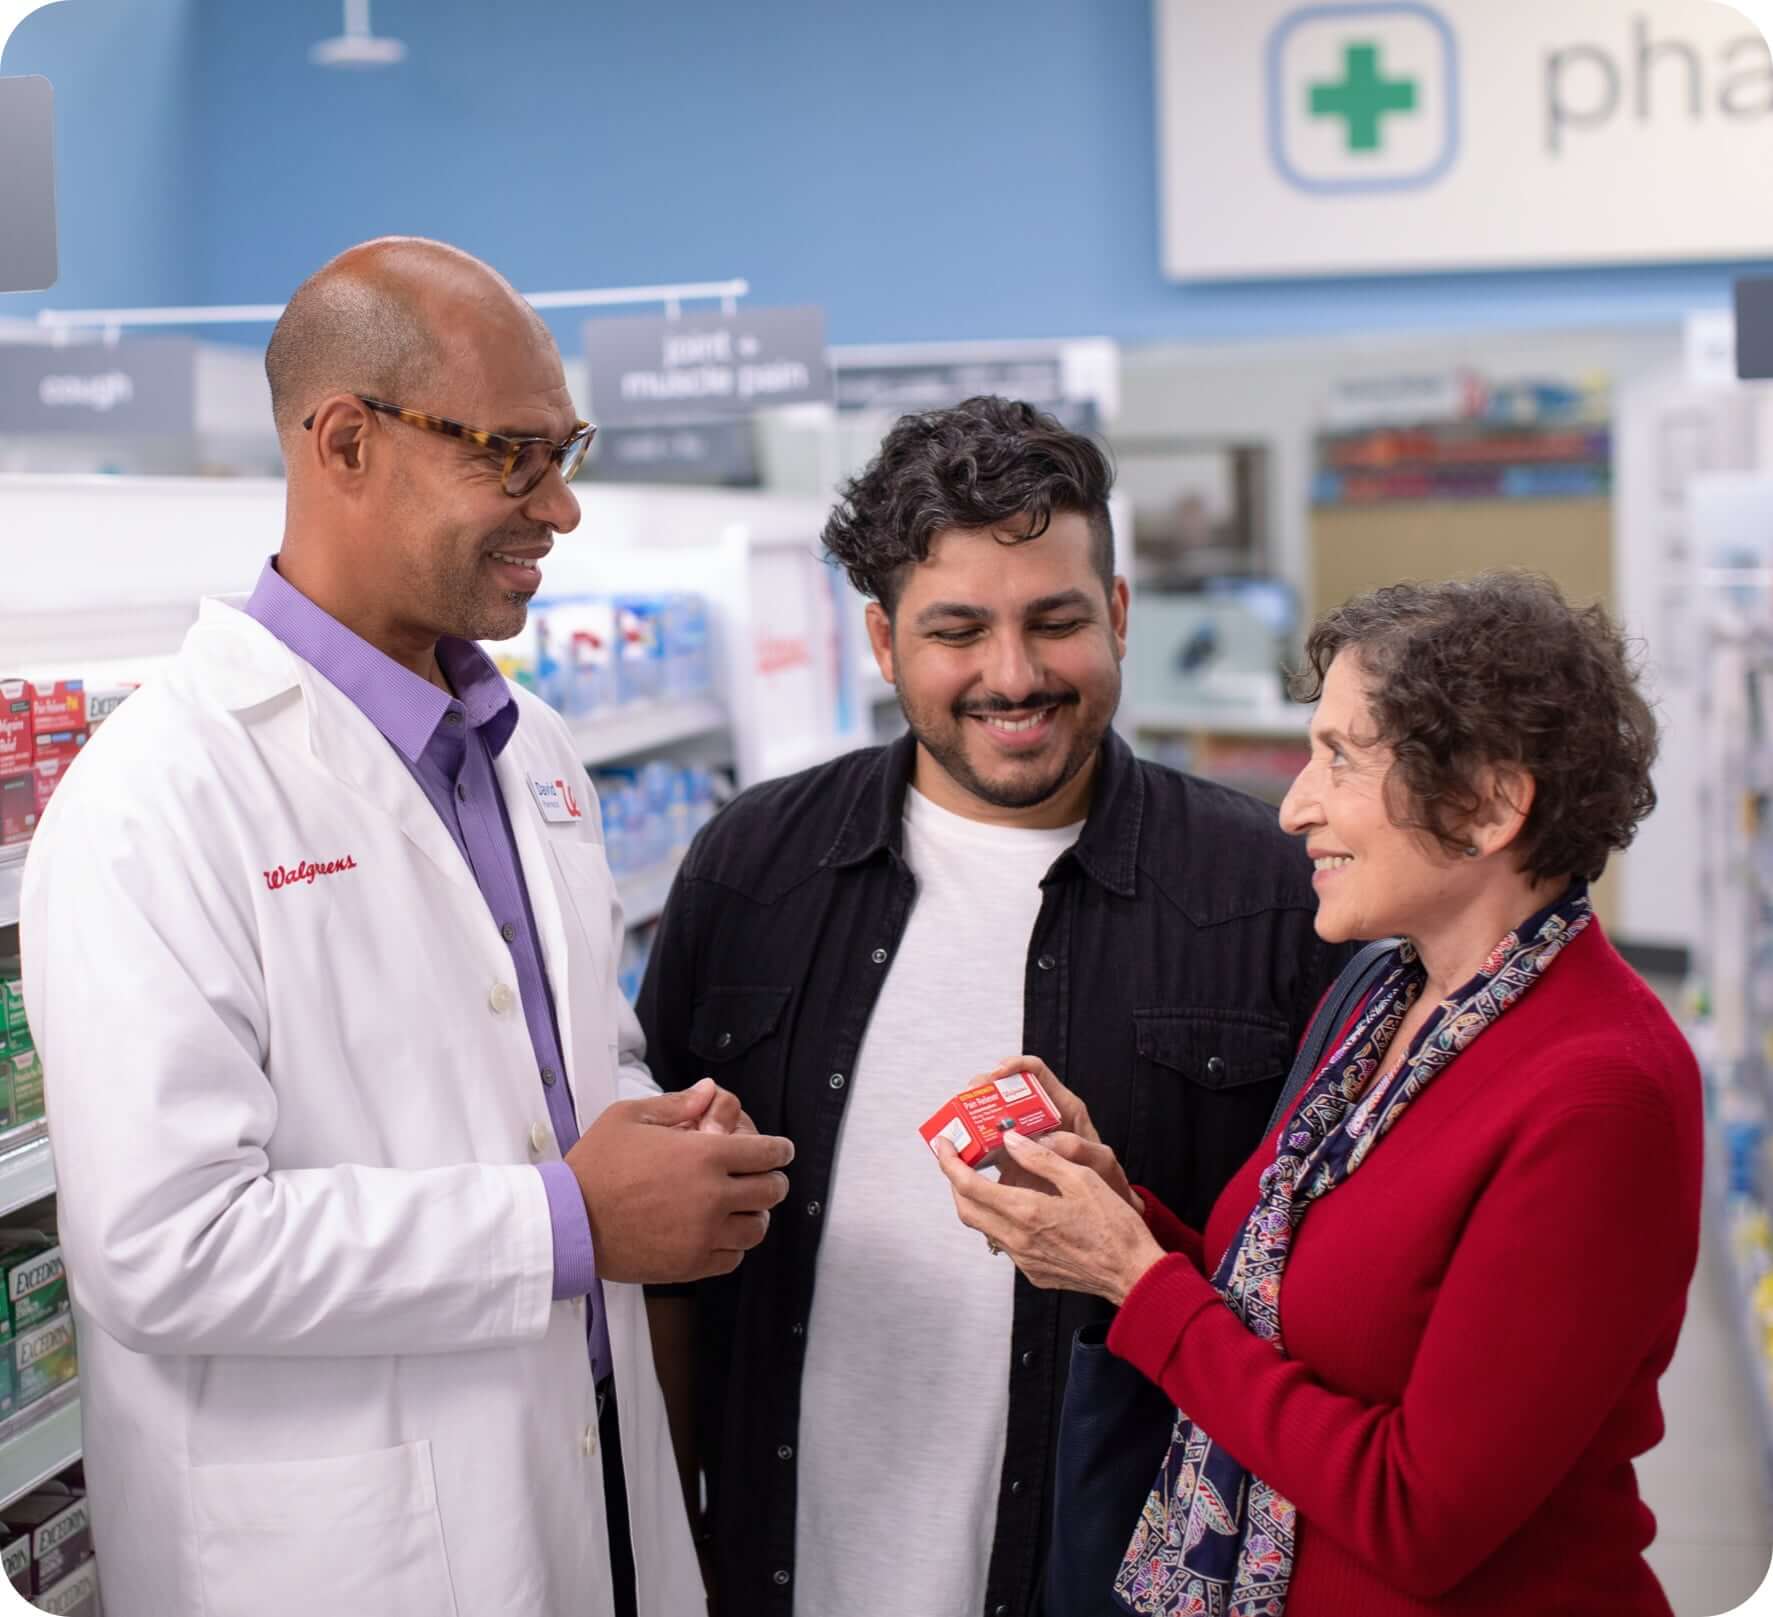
[(1348, 990)]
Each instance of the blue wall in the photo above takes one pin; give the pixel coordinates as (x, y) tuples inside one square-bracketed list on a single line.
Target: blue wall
[(927, 169), (124, 73)]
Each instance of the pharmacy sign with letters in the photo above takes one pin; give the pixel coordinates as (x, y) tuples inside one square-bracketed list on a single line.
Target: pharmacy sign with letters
[(1392, 136)]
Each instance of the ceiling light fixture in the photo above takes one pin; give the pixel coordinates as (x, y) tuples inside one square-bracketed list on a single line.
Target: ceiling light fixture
[(357, 46)]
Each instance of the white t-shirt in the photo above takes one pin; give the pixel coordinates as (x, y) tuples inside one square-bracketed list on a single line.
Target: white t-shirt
[(905, 1395)]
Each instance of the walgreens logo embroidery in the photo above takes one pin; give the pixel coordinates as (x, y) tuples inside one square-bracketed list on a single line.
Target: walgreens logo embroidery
[(307, 872)]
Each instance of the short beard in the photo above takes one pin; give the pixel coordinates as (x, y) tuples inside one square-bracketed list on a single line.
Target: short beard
[(951, 755)]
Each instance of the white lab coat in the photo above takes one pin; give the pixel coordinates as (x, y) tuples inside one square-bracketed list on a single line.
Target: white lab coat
[(295, 1134)]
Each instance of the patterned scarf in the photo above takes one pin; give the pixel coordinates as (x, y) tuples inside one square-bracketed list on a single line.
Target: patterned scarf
[(1213, 1541)]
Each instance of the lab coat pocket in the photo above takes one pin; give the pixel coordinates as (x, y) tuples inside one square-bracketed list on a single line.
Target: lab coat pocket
[(359, 1533), (591, 897)]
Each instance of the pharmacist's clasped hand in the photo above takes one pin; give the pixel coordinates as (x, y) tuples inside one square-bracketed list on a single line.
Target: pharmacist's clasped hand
[(670, 1203), (1080, 1236), (724, 1114)]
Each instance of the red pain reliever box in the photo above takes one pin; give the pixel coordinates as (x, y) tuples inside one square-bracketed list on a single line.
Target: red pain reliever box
[(977, 1119)]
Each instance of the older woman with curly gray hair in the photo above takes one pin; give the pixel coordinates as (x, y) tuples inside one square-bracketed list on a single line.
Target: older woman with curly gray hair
[(1415, 1349)]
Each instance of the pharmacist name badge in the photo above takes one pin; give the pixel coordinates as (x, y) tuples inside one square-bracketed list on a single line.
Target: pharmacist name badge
[(557, 801)]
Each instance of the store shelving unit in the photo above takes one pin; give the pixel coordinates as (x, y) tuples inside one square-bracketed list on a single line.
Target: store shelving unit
[(634, 732), (644, 893), (39, 1442), (27, 1174), (1735, 1038), (12, 881), (1256, 750), (1281, 724)]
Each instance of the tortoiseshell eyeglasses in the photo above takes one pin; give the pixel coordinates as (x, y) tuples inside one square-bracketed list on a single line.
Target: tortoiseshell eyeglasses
[(526, 459)]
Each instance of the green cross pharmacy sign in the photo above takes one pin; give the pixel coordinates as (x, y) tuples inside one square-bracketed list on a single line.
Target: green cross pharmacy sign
[(1303, 138), (1363, 97)]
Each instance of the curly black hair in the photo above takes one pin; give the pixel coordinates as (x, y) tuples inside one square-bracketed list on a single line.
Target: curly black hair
[(985, 463), (1500, 669)]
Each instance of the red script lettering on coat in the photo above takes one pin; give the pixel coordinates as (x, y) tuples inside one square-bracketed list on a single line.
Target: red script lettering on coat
[(307, 872)]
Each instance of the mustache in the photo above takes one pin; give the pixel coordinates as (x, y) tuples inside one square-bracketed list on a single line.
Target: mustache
[(520, 533), (1003, 704)]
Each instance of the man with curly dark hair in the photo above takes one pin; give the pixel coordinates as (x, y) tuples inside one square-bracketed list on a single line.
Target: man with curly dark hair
[(873, 1400)]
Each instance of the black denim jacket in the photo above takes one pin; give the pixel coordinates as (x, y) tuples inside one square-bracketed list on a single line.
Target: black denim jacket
[(1172, 970)]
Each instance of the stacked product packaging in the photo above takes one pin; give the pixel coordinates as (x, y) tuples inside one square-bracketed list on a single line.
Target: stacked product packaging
[(42, 729), (586, 654), (650, 816), (37, 1349), (46, 1550), (45, 1536), (21, 1072)]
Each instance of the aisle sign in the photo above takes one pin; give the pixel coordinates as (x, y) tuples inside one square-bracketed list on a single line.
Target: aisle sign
[(1387, 136), (111, 390), (648, 369), (940, 385), (27, 184), (708, 453)]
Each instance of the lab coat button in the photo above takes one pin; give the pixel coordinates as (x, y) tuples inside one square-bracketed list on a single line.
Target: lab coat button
[(501, 998), (538, 1138), (589, 1445)]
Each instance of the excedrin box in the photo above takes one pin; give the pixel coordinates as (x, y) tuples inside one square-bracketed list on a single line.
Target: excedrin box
[(75, 1596), (57, 1524), (36, 1282), (21, 1089), (43, 1360), (61, 1544), (104, 700), (977, 1119), (15, 1562)]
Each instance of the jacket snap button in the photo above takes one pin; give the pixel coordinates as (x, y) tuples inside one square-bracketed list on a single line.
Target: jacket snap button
[(837, 1080), (724, 1042), (880, 957), (780, 1577), (1216, 1067), (1046, 962)]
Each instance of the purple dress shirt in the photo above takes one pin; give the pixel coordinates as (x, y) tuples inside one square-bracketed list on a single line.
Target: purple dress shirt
[(449, 745)]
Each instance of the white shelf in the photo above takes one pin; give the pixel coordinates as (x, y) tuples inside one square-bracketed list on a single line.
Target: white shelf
[(27, 1173), (810, 754), (12, 881), (628, 732), (644, 893), (39, 1441), (1257, 723)]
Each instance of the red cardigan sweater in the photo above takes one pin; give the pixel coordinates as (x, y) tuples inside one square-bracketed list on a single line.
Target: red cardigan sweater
[(1474, 1322)]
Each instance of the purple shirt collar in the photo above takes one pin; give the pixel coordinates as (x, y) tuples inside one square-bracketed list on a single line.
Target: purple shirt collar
[(404, 707)]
